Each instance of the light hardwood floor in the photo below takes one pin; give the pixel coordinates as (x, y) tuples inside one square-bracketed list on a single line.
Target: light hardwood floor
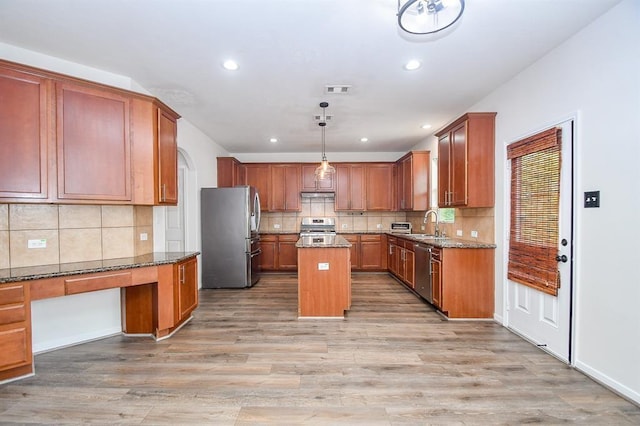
[(246, 359)]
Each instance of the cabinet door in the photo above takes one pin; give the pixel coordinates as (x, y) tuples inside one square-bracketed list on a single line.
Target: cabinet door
[(407, 183), (24, 135), (285, 187), (94, 149), (309, 182), (15, 329), (354, 250), (268, 245), (444, 155), (358, 188), (187, 284), (167, 158), (350, 187), (371, 252), (259, 176), (458, 162), (287, 252), (379, 184), (436, 280)]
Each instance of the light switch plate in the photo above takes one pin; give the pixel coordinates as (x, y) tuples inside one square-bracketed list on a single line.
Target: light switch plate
[(591, 199), (144, 236), (323, 266), (474, 234), (459, 232)]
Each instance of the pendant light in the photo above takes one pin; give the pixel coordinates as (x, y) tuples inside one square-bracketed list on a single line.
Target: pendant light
[(324, 169), (428, 16)]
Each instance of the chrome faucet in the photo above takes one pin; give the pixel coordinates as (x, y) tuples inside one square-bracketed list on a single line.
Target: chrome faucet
[(426, 216)]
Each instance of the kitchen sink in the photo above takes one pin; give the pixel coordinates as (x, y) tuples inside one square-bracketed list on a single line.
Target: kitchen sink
[(426, 237)]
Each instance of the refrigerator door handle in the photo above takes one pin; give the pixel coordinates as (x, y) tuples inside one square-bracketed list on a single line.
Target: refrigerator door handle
[(256, 253)]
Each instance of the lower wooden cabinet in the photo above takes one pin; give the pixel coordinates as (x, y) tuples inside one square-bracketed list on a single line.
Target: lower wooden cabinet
[(279, 252), (16, 358), (401, 260), (368, 251), (185, 288)]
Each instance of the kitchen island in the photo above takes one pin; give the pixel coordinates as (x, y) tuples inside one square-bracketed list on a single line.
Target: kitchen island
[(324, 276)]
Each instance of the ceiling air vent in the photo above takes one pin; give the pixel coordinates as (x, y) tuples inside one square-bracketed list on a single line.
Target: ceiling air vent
[(319, 117), (337, 89)]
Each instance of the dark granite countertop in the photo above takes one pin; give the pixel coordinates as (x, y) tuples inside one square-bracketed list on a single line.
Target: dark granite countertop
[(445, 243), (323, 241), (63, 269)]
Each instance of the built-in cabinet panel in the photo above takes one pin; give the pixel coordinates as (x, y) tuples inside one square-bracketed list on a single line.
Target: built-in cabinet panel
[(185, 288), (311, 184), (285, 187), (15, 331), (25, 135), (72, 141), (380, 187), (413, 176), (350, 187), (466, 167), (258, 175), (231, 172), (279, 252), (94, 145)]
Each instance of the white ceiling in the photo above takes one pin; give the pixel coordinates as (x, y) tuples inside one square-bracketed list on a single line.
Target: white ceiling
[(289, 50)]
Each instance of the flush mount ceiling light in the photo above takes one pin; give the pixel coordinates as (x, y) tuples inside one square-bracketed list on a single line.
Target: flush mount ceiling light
[(413, 64), (364, 140), (273, 140), (324, 169), (425, 126), (428, 16), (230, 65)]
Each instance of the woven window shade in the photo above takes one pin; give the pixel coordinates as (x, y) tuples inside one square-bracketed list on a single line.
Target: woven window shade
[(535, 205)]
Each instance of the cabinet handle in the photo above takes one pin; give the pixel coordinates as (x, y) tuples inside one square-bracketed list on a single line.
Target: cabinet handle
[(181, 274), (163, 197)]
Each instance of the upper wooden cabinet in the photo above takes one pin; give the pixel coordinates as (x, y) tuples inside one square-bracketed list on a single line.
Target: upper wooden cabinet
[(93, 144), (258, 175), (350, 187), (68, 140), (231, 172), (309, 182), (25, 135), (379, 183), (466, 152), (155, 153), (413, 181), (285, 187)]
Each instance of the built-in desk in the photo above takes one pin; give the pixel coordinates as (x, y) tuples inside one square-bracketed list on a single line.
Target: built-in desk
[(159, 292), (324, 276)]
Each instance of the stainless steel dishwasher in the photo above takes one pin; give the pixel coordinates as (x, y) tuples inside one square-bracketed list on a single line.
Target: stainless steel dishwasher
[(424, 286)]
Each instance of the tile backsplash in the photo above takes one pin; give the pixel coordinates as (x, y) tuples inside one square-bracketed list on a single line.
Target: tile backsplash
[(480, 220), (72, 233), (345, 221)]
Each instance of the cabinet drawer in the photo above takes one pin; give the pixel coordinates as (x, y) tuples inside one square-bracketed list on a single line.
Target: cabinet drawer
[(11, 294), (10, 314), (268, 237), (15, 348), (370, 237), (436, 254), (288, 237), (351, 238), (97, 282)]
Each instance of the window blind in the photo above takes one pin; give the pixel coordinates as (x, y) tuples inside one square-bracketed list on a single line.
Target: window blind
[(535, 206)]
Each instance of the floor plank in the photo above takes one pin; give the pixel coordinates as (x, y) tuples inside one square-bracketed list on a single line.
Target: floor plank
[(246, 359)]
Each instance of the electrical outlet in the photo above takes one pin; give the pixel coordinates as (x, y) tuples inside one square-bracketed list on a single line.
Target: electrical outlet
[(422, 227), (276, 226), (379, 226), (344, 226), (32, 244), (459, 233), (144, 236), (474, 234)]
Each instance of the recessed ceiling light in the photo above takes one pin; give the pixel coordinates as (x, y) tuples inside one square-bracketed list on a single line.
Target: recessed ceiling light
[(230, 65), (426, 126), (364, 139), (413, 64), (273, 140)]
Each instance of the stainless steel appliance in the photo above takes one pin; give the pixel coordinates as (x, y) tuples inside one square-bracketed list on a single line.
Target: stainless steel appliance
[(424, 282), (317, 226), (230, 220), (401, 227)]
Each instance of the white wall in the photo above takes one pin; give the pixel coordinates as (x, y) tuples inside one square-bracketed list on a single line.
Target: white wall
[(596, 76)]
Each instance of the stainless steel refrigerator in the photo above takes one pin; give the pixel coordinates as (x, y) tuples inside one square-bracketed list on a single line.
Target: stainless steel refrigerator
[(230, 220)]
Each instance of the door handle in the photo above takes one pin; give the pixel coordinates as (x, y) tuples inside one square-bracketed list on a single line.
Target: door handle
[(562, 258)]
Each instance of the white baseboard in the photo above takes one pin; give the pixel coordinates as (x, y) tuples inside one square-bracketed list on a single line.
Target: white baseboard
[(607, 381)]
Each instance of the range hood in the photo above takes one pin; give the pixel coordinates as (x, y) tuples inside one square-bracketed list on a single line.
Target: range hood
[(317, 194)]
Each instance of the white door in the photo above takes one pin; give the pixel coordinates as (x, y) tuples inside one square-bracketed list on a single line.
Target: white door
[(539, 317), (174, 227)]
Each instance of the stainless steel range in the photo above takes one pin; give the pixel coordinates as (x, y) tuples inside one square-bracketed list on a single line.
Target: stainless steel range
[(317, 226)]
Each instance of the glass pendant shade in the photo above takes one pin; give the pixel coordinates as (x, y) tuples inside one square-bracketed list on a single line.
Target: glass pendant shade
[(428, 16), (324, 169)]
